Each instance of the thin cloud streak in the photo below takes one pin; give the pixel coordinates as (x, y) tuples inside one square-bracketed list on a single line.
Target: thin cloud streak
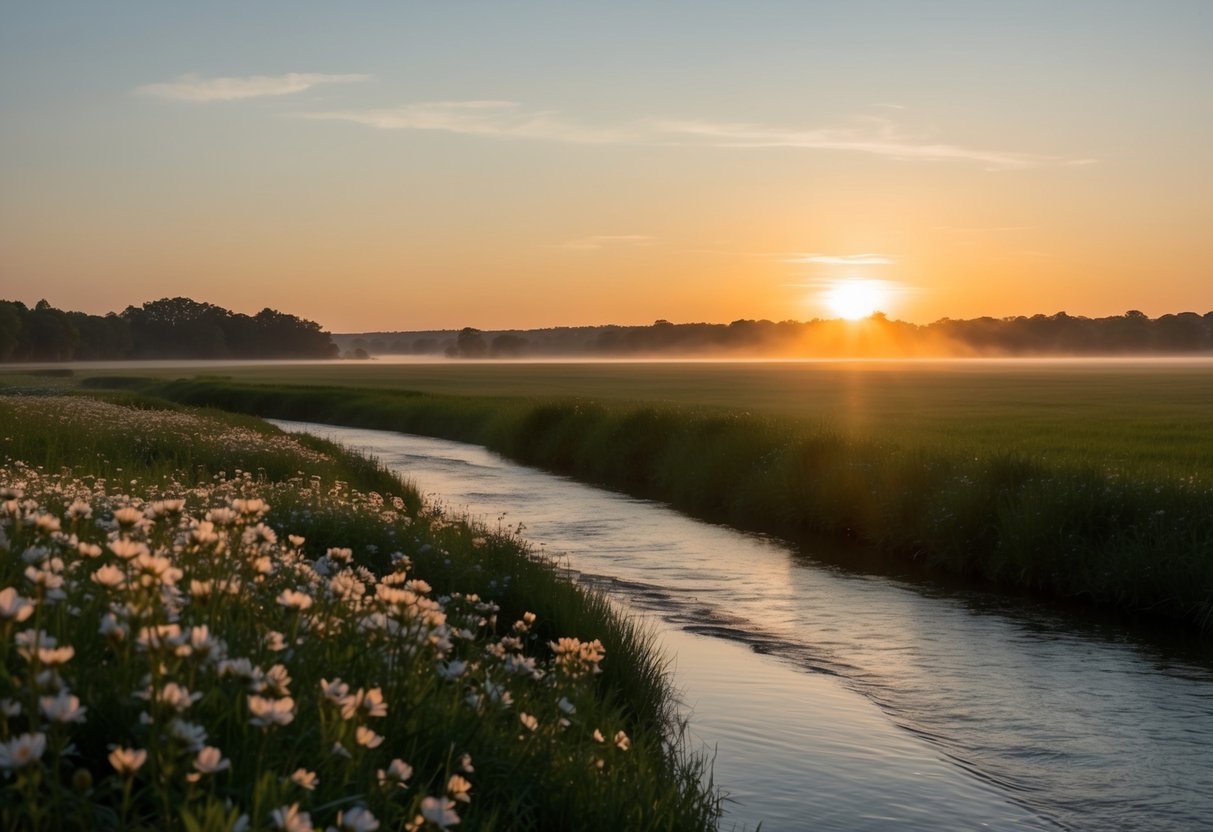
[(510, 119), (505, 119), (193, 87), (882, 142)]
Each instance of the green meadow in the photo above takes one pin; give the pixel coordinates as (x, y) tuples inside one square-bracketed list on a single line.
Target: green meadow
[(1150, 414), (1081, 480), (207, 624)]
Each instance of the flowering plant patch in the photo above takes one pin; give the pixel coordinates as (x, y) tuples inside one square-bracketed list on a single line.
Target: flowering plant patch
[(174, 655)]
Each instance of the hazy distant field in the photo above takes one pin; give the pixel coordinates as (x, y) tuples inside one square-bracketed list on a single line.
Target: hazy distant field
[(1155, 414)]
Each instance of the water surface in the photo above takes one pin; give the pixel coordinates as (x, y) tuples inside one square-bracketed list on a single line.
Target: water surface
[(842, 701)]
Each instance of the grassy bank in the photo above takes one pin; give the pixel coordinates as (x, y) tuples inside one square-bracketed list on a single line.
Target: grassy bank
[(182, 592), (1123, 534), (1154, 416)]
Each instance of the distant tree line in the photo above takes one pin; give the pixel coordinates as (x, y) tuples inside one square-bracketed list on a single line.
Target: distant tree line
[(878, 335), (166, 328)]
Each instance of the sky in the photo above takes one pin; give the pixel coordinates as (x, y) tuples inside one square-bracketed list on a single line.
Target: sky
[(393, 166)]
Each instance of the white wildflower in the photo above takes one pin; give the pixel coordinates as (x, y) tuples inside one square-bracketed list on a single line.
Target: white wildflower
[(305, 779), (398, 772), (222, 516), (62, 708), (21, 751), (109, 576), (204, 533), (128, 549), (458, 787), (205, 645), (335, 691), (175, 696), (210, 760), (439, 811), (365, 736), (290, 819), (89, 550), (13, 607), (373, 703), (267, 712), (278, 680), (126, 761), (128, 516), (189, 733), (294, 600)]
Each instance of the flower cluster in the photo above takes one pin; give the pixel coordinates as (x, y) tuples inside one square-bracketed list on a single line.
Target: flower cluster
[(186, 654), (150, 429)]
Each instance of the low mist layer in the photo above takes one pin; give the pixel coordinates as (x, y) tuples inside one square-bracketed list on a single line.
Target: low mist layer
[(876, 336)]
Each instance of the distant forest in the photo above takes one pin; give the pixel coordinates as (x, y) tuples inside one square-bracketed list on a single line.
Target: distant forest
[(167, 328), (877, 336)]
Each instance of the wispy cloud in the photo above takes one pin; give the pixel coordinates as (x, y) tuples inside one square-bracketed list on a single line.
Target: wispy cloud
[(877, 137), (479, 118), (196, 88), (510, 119), (599, 241), (841, 259)]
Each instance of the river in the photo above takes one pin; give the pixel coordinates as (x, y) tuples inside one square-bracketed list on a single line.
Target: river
[(836, 700)]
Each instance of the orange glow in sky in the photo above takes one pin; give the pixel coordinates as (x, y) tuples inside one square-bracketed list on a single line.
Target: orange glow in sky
[(855, 299), (557, 164)]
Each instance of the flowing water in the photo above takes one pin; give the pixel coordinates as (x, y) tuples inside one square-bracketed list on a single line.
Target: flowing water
[(843, 701)]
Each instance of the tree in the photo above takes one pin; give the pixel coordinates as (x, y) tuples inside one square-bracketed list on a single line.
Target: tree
[(48, 334), (508, 345), (470, 343), (10, 329), (178, 328)]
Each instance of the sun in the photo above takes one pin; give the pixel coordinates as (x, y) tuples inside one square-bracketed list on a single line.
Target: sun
[(855, 299)]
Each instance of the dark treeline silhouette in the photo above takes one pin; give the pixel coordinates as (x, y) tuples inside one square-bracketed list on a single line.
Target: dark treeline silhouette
[(1061, 334), (166, 328)]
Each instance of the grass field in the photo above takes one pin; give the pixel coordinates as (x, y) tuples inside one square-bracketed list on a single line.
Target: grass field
[(1088, 480), (206, 624), (1150, 415)]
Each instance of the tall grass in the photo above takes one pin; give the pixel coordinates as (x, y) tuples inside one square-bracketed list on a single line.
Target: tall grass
[(183, 535), (1136, 539)]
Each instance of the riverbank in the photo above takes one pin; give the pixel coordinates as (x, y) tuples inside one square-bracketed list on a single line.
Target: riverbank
[(283, 627), (1127, 536)]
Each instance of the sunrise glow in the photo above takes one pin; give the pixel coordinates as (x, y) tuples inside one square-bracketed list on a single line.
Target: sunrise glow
[(618, 173), (855, 299)]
